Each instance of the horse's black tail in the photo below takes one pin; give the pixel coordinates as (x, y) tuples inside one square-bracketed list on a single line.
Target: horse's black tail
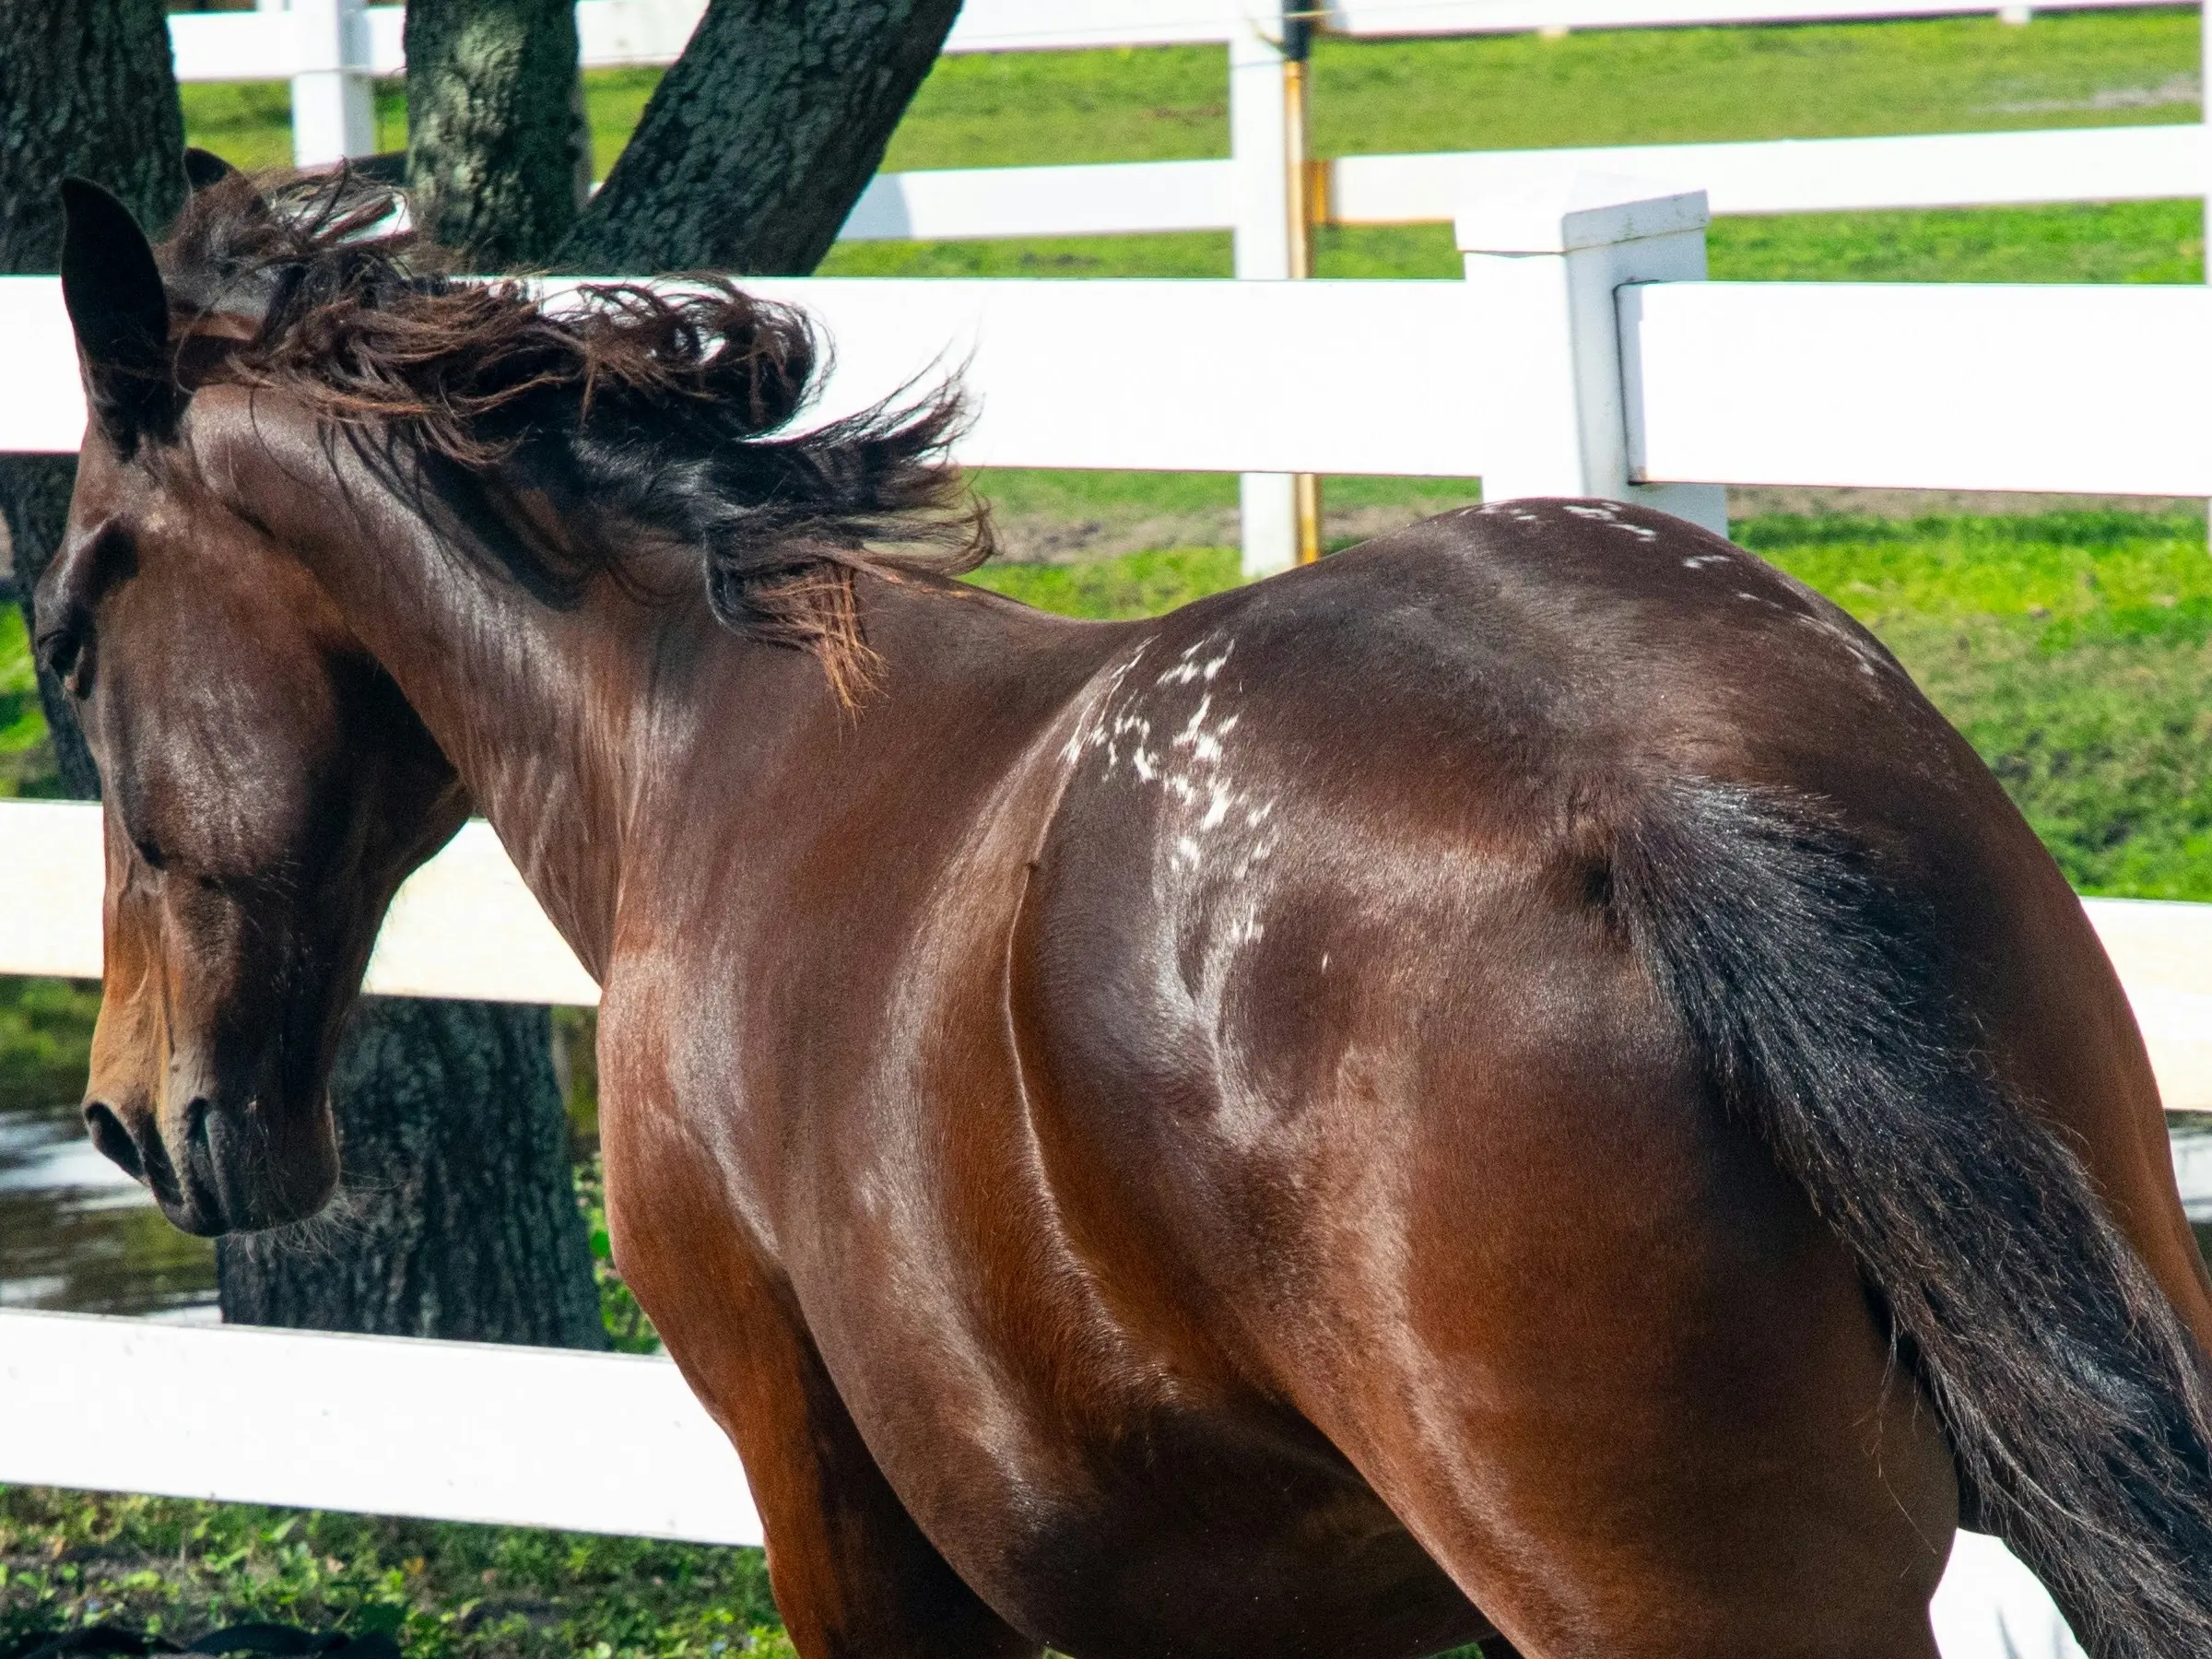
[(1813, 988)]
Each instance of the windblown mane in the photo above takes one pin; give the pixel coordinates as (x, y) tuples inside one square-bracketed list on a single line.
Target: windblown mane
[(628, 408)]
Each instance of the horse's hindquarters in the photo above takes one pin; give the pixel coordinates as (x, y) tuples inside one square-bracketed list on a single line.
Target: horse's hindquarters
[(1580, 1333), (1452, 1188)]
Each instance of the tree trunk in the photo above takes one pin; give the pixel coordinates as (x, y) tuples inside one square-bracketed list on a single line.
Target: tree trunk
[(460, 1217), (456, 1216), (497, 154), (34, 498), (761, 138), (86, 88)]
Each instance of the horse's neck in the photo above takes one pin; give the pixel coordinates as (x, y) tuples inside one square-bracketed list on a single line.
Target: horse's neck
[(549, 715), (574, 729)]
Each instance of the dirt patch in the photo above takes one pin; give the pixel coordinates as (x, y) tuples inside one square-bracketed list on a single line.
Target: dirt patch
[(1052, 538), (1048, 538), (1813, 502)]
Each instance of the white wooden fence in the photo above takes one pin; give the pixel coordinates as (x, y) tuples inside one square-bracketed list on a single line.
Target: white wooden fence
[(331, 49)]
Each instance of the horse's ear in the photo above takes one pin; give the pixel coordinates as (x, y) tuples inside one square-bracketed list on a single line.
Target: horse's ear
[(121, 314), (202, 168)]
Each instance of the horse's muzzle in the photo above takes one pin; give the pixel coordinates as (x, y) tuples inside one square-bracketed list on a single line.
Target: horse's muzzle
[(216, 1180)]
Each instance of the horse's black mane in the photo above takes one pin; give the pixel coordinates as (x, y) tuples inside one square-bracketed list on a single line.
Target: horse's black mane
[(627, 408)]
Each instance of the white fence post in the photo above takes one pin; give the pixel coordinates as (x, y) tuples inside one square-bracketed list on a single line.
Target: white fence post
[(1258, 108), (334, 106), (1548, 263)]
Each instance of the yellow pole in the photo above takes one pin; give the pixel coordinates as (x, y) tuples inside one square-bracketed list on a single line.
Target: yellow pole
[(1302, 205)]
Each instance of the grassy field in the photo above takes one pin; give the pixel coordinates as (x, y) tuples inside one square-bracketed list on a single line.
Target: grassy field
[(1509, 91), (1952, 75), (68, 1558)]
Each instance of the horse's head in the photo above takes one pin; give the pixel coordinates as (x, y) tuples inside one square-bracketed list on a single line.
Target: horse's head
[(266, 788)]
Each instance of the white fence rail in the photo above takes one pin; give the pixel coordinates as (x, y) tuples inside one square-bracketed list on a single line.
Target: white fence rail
[(442, 1430), (1959, 387), (465, 926), (1788, 175)]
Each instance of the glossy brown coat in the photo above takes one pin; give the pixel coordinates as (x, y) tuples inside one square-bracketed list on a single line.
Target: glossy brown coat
[(1139, 1132)]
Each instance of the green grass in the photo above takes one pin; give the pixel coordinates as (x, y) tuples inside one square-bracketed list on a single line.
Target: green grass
[(1521, 91), (45, 1037), (2089, 241), (2074, 652), (27, 766), (1684, 85), (1139, 584), (71, 1558), (1506, 91)]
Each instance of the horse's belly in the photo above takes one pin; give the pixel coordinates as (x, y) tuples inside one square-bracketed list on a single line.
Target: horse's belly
[(1201, 1540)]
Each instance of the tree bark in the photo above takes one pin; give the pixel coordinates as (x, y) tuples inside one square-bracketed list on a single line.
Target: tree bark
[(457, 1214), (497, 154), (34, 498), (86, 88), (761, 138)]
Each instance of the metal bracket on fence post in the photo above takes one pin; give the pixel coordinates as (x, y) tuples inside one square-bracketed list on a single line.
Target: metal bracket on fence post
[(334, 105), (1546, 265)]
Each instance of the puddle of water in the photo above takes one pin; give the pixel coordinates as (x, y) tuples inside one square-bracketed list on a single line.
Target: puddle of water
[(77, 1233), (2176, 92)]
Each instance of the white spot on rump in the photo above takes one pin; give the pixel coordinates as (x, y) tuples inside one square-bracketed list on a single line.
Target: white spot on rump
[(1190, 733), (1090, 731), (1188, 668)]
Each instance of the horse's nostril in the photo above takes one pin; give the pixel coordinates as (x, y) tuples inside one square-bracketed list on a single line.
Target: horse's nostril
[(196, 1126), (112, 1139)]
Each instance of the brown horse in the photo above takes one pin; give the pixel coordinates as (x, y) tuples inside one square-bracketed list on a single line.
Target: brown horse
[(1517, 1085)]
